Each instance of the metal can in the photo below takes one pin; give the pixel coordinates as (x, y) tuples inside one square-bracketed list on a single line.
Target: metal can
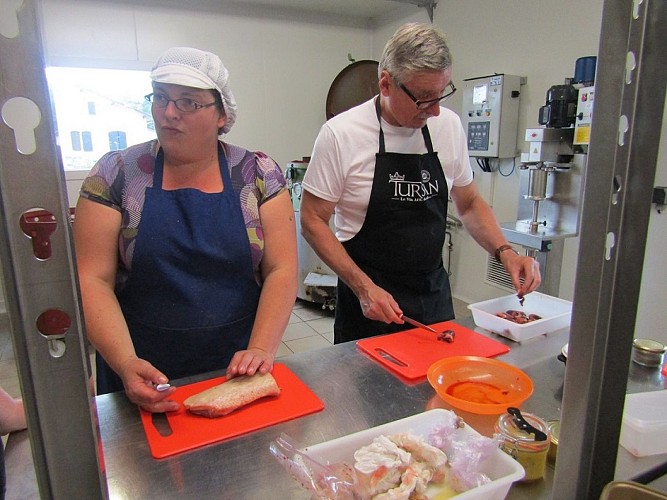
[(523, 446), (647, 352), (554, 429)]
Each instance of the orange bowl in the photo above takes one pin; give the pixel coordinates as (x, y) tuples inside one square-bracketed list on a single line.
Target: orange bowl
[(479, 385)]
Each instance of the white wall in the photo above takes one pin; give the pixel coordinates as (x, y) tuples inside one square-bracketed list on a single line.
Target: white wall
[(519, 38), (280, 66)]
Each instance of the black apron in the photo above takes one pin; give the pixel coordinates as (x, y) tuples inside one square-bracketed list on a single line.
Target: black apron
[(399, 245), (191, 296)]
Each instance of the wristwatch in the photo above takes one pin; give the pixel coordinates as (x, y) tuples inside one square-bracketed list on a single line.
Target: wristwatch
[(501, 249)]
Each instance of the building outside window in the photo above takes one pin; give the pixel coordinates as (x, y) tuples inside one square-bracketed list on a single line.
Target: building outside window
[(98, 110)]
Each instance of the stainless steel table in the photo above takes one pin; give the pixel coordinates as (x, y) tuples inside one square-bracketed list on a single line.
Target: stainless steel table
[(358, 393)]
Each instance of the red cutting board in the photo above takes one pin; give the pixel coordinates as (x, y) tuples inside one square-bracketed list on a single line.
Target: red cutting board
[(191, 431), (414, 351)]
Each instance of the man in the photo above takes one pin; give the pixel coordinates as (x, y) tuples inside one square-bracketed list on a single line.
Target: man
[(386, 168)]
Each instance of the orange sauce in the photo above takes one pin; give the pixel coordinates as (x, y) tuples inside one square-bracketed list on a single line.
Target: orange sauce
[(479, 392)]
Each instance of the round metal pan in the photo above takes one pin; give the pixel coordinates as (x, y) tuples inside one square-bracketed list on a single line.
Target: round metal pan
[(355, 84)]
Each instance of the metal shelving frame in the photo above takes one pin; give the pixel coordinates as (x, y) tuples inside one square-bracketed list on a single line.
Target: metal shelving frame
[(625, 136), (54, 370)]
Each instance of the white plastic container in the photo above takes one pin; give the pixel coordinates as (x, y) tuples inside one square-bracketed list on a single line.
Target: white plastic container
[(556, 314), (644, 427), (500, 467)]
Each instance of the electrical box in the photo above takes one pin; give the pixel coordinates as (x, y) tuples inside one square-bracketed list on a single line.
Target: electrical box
[(491, 115)]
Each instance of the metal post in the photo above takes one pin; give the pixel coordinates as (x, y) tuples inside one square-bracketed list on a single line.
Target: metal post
[(40, 278), (625, 135)]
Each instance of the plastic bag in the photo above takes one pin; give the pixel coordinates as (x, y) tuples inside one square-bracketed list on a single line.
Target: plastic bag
[(323, 481), (466, 453)]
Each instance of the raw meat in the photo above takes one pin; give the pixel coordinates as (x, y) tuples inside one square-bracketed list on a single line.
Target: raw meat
[(232, 394)]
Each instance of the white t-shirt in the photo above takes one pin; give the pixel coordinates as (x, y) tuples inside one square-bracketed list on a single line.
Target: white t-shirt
[(342, 164)]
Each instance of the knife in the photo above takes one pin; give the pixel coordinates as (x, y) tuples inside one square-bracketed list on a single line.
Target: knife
[(447, 335), (416, 323)]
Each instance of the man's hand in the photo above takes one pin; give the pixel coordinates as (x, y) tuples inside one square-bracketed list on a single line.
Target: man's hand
[(379, 305)]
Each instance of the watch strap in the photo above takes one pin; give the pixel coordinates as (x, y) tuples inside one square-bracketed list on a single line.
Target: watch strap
[(501, 249)]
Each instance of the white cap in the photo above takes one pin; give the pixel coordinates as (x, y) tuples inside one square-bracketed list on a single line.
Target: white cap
[(198, 69)]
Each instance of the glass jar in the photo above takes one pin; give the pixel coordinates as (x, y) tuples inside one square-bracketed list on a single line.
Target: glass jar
[(522, 446)]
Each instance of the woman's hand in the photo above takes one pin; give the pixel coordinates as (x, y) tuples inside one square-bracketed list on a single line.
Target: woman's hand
[(249, 362), (140, 378)]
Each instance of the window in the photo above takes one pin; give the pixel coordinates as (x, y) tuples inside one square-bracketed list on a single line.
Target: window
[(87, 140), (117, 140), (81, 141), (99, 110), (76, 140)]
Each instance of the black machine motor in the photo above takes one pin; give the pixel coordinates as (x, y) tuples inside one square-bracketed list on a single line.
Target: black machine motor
[(561, 107)]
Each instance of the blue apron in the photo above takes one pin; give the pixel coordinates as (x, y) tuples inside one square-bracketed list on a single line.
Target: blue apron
[(191, 296), (399, 245)]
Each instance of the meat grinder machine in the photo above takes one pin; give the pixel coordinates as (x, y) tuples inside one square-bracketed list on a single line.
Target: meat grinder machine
[(552, 175)]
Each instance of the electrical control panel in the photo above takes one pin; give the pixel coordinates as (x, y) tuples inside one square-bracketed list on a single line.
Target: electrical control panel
[(491, 115)]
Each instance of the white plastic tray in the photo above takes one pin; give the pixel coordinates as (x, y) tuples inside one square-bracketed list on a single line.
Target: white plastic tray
[(501, 468), (644, 428), (556, 314)]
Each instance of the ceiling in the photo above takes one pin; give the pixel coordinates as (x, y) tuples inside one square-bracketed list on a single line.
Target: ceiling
[(349, 8)]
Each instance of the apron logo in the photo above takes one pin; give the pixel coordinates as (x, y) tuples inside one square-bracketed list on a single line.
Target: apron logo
[(413, 191)]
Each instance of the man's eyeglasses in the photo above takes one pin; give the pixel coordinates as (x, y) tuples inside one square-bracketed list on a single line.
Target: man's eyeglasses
[(185, 104), (430, 102)]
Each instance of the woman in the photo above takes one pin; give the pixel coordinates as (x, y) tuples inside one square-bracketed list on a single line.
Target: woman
[(186, 246)]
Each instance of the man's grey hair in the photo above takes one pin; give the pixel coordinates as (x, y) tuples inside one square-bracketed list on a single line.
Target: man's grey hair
[(415, 47)]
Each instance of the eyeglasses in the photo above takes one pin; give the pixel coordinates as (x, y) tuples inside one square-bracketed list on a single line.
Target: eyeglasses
[(185, 104), (430, 102)]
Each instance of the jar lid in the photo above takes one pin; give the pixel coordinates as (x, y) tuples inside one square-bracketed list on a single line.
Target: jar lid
[(554, 429), (648, 345), (508, 428)]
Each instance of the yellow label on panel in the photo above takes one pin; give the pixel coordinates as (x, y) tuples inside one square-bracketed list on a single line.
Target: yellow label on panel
[(582, 134)]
